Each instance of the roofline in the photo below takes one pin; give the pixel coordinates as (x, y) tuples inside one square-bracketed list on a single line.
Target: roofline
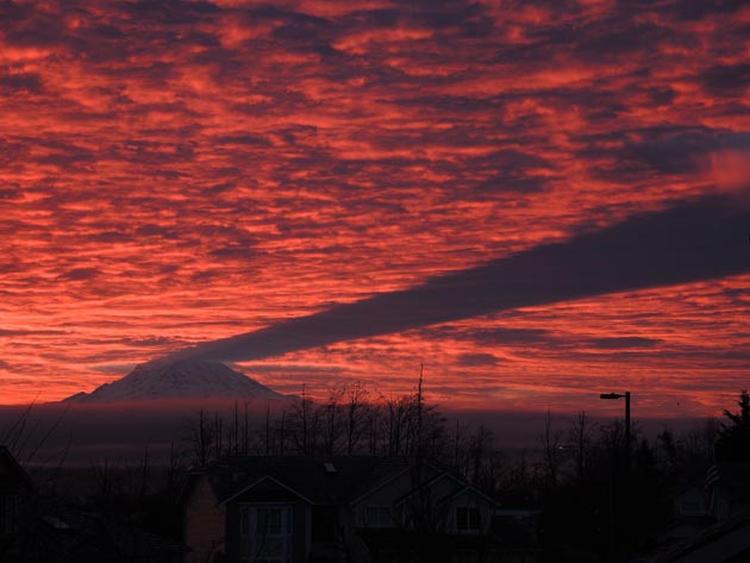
[(465, 486), (472, 488), (383, 483), (441, 473), (427, 483), (380, 485), (257, 482)]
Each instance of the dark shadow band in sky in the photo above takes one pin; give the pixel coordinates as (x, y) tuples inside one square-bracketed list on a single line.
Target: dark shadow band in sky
[(698, 240)]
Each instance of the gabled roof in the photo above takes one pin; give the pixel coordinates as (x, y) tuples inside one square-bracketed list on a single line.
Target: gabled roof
[(462, 486), (322, 481), (377, 483), (306, 477), (262, 480), (427, 483), (468, 489)]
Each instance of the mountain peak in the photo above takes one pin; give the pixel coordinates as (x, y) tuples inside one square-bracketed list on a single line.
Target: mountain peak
[(180, 379)]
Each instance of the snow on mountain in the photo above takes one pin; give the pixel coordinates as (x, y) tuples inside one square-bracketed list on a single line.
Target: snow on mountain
[(167, 379)]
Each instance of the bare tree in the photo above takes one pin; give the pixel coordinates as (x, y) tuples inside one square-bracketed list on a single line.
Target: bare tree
[(246, 434), (144, 475), (375, 428), (356, 416), (480, 450), (332, 422), (103, 480), (398, 416), (267, 433), (580, 438), (552, 449), (302, 425), (202, 439), (28, 435)]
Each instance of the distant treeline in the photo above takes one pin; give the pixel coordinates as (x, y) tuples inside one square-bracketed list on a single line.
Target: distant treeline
[(594, 491)]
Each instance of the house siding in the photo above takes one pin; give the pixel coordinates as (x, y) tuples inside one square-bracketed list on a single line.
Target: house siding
[(469, 500)]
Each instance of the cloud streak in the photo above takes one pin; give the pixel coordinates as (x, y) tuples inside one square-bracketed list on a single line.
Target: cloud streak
[(704, 239)]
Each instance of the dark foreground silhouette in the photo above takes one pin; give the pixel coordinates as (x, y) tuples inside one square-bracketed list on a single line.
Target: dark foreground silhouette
[(356, 480)]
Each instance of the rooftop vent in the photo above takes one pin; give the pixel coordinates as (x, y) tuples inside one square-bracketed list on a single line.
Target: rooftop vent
[(330, 468)]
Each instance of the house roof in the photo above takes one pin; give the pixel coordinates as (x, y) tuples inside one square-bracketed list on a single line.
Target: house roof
[(471, 490), (314, 480), (387, 475), (265, 479), (462, 486), (430, 479), (307, 477)]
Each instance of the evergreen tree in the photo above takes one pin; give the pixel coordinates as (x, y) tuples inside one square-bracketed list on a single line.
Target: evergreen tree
[(733, 443)]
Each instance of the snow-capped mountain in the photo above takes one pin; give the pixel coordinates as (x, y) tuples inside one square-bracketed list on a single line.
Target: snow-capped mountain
[(181, 379)]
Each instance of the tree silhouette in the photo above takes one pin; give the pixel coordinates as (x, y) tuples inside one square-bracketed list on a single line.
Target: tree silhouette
[(733, 443)]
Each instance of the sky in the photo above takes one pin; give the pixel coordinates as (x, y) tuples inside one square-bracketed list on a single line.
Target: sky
[(539, 200)]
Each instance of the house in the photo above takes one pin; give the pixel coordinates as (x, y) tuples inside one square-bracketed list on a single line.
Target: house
[(15, 490), (723, 509), (358, 508)]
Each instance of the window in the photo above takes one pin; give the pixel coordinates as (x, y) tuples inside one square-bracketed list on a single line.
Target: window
[(266, 533), (467, 519), (269, 521), (378, 516)]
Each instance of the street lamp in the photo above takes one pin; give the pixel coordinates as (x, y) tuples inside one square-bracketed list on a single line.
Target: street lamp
[(614, 397), (626, 396)]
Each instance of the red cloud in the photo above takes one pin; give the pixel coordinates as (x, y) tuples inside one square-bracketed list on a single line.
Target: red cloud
[(175, 172)]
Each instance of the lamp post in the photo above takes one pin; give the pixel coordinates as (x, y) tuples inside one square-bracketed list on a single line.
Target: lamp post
[(614, 397), (626, 396)]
